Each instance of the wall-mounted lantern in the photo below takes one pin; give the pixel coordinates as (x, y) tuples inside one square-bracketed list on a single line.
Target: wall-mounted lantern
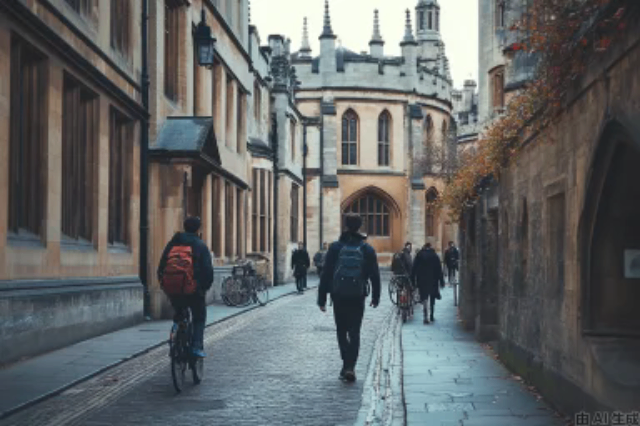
[(205, 43)]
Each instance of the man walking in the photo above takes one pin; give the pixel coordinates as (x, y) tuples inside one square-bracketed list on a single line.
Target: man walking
[(318, 259), (299, 264), (349, 265), (427, 274), (451, 258), (186, 274)]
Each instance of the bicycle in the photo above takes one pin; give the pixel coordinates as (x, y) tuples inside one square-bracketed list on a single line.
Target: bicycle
[(406, 299), (244, 287), (181, 353)]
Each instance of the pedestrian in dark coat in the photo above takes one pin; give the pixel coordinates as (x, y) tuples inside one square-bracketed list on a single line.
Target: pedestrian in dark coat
[(427, 274), (300, 263), (348, 312)]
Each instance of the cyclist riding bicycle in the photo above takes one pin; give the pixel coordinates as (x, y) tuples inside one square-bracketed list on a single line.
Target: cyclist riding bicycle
[(186, 274), (401, 265)]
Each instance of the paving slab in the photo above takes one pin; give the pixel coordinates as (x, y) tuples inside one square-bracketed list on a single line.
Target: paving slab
[(29, 381), (450, 379)]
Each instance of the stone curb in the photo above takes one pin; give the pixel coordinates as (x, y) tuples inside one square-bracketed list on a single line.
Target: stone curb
[(101, 370)]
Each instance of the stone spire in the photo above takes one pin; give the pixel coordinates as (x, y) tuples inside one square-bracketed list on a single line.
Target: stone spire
[(327, 32), (305, 49), (377, 37), (408, 33)]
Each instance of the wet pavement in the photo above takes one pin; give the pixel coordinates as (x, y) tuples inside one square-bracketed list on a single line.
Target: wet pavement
[(451, 380), (276, 365)]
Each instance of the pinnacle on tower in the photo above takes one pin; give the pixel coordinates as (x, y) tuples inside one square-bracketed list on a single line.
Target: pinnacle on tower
[(408, 33), (327, 31), (306, 47), (377, 37)]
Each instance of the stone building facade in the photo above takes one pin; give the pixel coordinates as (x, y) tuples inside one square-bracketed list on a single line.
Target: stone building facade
[(379, 123), (70, 113), (214, 141), (550, 254)]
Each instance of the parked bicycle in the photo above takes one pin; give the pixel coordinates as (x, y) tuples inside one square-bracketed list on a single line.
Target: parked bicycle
[(181, 354), (245, 286)]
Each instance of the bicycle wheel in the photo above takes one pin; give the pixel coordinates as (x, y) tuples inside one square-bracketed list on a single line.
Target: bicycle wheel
[(245, 291), (226, 289), (393, 291), (178, 361), (261, 291)]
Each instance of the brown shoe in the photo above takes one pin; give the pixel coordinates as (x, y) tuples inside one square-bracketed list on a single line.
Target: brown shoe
[(426, 321)]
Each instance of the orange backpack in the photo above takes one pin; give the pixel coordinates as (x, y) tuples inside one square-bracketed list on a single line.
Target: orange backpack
[(177, 279)]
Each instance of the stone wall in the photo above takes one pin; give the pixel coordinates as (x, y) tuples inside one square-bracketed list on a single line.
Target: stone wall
[(541, 243)]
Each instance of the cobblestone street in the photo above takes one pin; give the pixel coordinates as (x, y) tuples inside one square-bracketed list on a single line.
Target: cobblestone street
[(276, 365)]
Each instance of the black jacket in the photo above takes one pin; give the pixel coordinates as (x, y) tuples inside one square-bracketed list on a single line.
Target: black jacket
[(451, 257), (300, 261), (370, 270), (203, 265), (427, 273)]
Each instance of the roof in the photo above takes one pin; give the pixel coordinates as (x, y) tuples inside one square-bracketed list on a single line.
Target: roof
[(187, 135)]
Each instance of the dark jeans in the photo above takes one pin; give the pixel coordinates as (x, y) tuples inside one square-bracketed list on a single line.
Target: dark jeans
[(348, 316), (451, 271), (301, 281), (431, 301), (196, 303)]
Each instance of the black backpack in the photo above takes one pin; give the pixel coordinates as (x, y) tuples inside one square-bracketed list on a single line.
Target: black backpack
[(348, 279)]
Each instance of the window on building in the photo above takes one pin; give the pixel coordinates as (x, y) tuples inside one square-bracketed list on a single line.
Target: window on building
[(429, 144), (264, 213), (28, 132), (375, 215), (120, 26), (384, 147), (217, 219), (430, 219), (556, 240), (239, 222), (228, 225), (255, 209), (292, 138), (350, 138), (80, 120), (240, 119), (229, 109), (500, 13), (437, 20), (269, 225), (430, 20), (295, 207), (82, 7), (171, 49), (498, 88), (120, 177), (421, 19), (257, 103)]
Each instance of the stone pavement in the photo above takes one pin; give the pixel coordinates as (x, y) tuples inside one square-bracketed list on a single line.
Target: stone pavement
[(450, 379), (276, 365), (30, 381)]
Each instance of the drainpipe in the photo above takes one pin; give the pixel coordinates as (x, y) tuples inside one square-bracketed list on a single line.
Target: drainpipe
[(274, 145), (305, 151), (144, 168), (320, 183)]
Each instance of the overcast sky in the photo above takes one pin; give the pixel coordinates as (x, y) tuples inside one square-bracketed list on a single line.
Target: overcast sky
[(352, 22)]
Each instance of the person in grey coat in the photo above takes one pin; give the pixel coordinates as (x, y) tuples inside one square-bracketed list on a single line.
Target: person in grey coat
[(427, 276)]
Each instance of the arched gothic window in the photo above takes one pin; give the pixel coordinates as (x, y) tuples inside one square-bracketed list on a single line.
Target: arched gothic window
[(384, 146), (429, 144), (430, 218), (350, 138), (375, 215)]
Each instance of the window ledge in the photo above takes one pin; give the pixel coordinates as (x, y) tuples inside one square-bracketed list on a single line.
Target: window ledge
[(25, 239), (119, 248), (72, 244)]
